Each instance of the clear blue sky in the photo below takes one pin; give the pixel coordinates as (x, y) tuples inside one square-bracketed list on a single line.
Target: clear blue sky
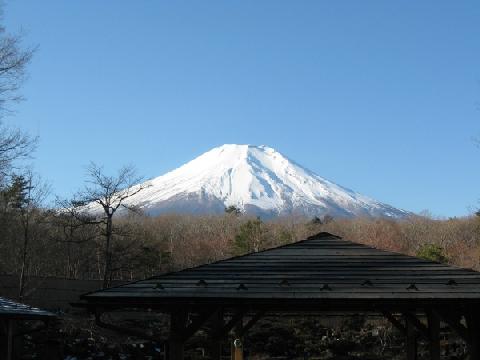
[(379, 96)]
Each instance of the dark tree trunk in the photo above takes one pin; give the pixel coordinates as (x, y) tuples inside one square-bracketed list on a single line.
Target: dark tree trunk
[(108, 254), (23, 271)]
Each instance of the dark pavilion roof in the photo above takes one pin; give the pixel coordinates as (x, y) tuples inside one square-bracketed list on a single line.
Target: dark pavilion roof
[(14, 310), (322, 268)]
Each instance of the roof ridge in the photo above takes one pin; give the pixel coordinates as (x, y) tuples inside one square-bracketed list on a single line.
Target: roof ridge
[(322, 235)]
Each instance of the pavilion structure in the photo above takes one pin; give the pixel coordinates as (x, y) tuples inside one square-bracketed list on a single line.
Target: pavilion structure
[(322, 274), (12, 314)]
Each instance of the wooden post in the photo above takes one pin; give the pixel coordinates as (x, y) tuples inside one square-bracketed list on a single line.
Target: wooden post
[(237, 344), (473, 330), (178, 319), (3, 339), (9, 339), (434, 335), (411, 341), (215, 339), (237, 353)]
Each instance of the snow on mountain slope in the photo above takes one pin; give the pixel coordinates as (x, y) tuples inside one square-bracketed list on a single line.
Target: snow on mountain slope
[(258, 180)]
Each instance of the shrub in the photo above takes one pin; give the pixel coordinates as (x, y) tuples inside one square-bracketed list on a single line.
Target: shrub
[(432, 252)]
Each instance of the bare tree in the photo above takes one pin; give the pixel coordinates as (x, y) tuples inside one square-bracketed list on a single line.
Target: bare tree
[(31, 194), (14, 58), (13, 62), (74, 229), (14, 145), (105, 195)]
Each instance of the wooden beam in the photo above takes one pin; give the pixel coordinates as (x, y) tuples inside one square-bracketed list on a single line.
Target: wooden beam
[(395, 322), (411, 340), (178, 320), (252, 322), (422, 329), (434, 335), (238, 316), (199, 321)]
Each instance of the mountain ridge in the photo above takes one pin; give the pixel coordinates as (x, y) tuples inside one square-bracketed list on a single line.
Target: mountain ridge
[(258, 180)]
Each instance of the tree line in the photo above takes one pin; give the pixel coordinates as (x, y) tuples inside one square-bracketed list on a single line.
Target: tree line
[(46, 242)]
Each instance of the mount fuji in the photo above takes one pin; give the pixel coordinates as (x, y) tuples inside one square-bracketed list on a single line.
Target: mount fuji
[(258, 180)]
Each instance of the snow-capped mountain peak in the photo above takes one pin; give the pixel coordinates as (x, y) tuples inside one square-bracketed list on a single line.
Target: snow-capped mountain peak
[(256, 179)]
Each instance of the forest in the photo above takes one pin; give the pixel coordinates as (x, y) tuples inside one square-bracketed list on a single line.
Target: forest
[(47, 242)]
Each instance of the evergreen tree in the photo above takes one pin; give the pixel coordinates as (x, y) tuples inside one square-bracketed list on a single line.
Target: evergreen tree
[(250, 236), (232, 209)]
